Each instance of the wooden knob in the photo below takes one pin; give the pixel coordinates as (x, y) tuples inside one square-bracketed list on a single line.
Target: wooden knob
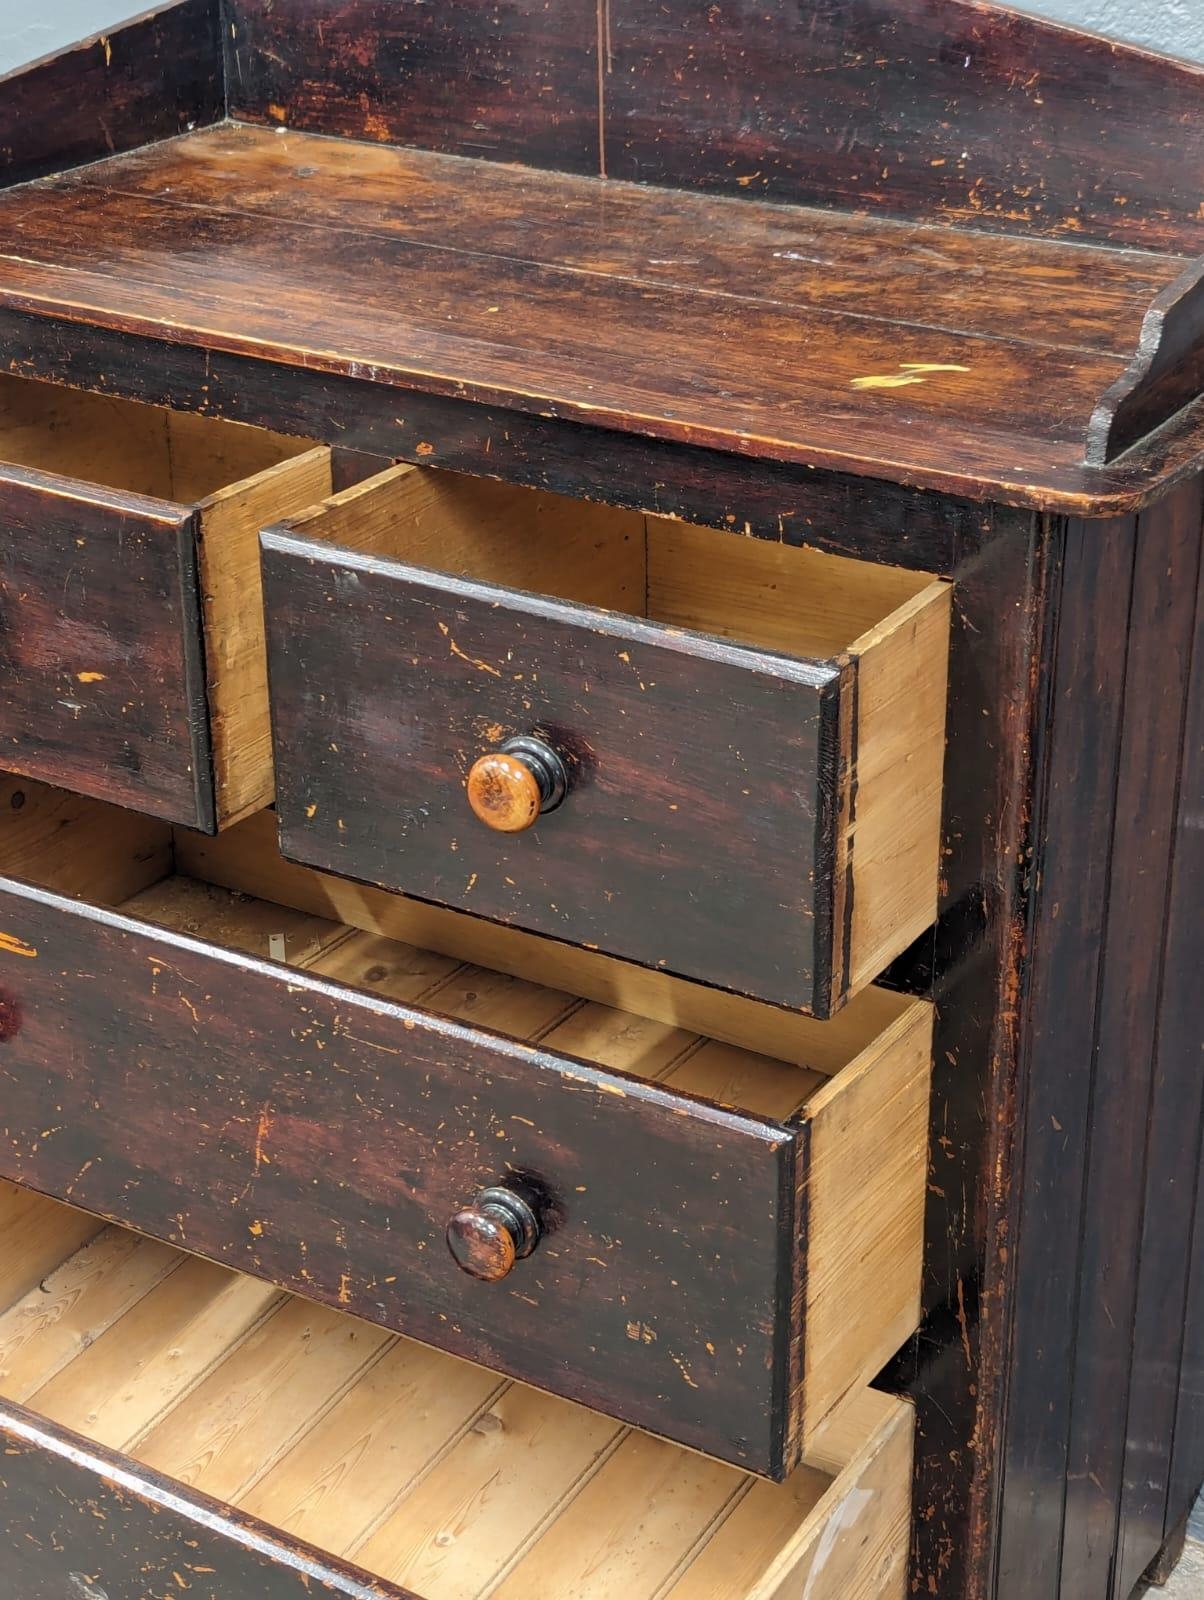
[(489, 1236), (510, 788)]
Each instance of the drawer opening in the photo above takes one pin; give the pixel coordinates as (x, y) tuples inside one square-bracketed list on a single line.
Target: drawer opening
[(779, 597), (138, 449), (132, 569), (421, 1469), (379, 1037), (765, 717)]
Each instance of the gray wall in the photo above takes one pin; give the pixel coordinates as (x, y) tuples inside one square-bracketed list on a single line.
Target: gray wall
[(1176, 26), (1173, 25)]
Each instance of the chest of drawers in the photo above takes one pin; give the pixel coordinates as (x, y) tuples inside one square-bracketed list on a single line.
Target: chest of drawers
[(600, 790)]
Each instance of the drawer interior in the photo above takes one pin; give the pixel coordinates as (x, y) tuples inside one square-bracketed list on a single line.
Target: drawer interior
[(169, 455), (786, 598), (422, 1469)]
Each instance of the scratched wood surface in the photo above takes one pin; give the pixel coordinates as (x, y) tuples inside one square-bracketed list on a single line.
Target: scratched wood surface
[(102, 683), (77, 1524), (1011, 123), (685, 757), (1098, 1357), (685, 1307), (542, 313), (149, 79), (266, 1108)]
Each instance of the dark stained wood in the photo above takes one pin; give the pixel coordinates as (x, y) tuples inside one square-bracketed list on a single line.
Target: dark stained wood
[(1124, 1112), (102, 677), (535, 337), (685, 756), (1158, 1490), (81, 1523), (970, 964), (1187, 1458), (512, 80), (1106, 1082), (905, 527), (935, 108), (1012, 123), (1082, 692), (1162, 1568), (1166, 374), (151, 78), (925, 109), (1060, 294), (322, 1137), (905, 388)]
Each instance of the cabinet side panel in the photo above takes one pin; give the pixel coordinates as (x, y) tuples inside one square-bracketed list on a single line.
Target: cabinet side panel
[(153, 78), (969, 965), (1127, 1106), (1081, 714), (1158, 1490), (1106, 1087)]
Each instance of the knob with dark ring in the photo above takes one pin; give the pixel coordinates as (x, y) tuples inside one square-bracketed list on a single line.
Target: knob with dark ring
[(512, 787), (489, 1236)]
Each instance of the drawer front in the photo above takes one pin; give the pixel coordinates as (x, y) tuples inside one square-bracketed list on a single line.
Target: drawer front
[(81, 1523), (322, 1138), (697, 834), (102, 677)]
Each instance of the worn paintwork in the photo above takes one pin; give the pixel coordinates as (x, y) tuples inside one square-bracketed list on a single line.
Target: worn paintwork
[(1013, 128), (323, 1138), (82, 1523), (102, 675), (391, 681)]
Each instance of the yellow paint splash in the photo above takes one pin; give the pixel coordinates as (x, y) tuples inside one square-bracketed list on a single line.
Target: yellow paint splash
[(11, 945), (887, 380), (909, 372), (90, 677)]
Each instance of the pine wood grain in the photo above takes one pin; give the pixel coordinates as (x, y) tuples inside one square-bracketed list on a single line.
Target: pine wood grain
[(232, 604), (247, 859), (84, 847), (432, 1474)]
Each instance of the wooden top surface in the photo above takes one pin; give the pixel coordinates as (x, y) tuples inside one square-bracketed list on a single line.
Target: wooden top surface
[(909, 351)]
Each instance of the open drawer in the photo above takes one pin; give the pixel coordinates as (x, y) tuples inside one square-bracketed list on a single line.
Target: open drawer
[(131, 630), (169, 1426), (706, 754), (726, 1239)]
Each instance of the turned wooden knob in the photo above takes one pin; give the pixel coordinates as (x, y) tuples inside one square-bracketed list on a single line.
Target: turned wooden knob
[(489, 1236), (510, 788)]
